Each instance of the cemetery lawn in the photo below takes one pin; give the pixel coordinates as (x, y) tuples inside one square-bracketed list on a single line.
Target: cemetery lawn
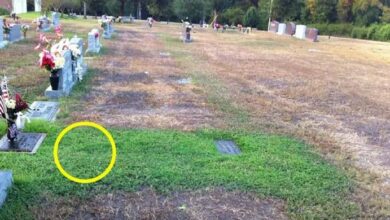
[(172, 161)]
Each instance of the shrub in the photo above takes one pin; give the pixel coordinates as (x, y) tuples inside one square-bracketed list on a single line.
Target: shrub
[(4, 11), (359, 32), (340, 30), (384, 33), (232, 16)]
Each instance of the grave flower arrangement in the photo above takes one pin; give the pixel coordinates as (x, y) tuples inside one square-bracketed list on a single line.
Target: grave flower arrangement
[(11, 110), (53, 64), (25, 28)]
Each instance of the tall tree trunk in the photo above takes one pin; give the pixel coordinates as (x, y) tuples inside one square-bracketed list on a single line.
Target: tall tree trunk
[(139, 10), (85, 10)]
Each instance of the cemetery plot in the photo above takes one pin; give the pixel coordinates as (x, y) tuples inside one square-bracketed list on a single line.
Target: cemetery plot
[(26, 143), (44, 111), (5, 184)]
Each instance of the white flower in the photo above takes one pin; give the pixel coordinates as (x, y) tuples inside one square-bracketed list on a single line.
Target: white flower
[(10, 103), (59, 62), (75, 50)]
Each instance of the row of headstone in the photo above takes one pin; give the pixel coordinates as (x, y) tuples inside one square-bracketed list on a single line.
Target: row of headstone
[(298, 31)]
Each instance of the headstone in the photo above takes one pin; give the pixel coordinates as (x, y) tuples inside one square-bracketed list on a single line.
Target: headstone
[(5, 183), (94, 41), (274, 26), (19, 6), (186, 34), (80, 67), (312, 34), (227, 147), (46, 25), (290, 28), (66, 79), (38, 5), (282, 29), (107, 30), (15, 33), (3, 43), (26, 143), (55, 16), (300, 32), (46, 111)]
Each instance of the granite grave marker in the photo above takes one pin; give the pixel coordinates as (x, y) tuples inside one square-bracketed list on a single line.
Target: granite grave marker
[(44, 111)]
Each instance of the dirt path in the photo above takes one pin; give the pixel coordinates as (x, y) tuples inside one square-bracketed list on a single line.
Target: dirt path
[(139, 86)]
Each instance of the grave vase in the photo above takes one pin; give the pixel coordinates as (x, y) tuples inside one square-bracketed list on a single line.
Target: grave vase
[(55, 79)]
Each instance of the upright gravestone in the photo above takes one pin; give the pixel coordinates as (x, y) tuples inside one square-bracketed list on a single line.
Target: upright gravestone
[(300, 32), (107, 30), (94, 41), (44, 24), (5, 184), (15, 33), (3, 43), (274, 26), (187, 28), (290, 28), (56, 19), (66, 79), (281, 29), (81, 67), (312, 34)]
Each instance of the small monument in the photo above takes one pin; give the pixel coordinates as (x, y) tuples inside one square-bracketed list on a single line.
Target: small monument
[(11, 110), (3, 42), (15, 33), (56, 18), (46, 111), (300, 32), (80, 68), (273, 27), (5, 183), (66, 79), (290, 28), (282, 28), (93, 41), (312, 34), (186, 35), (44, 24)]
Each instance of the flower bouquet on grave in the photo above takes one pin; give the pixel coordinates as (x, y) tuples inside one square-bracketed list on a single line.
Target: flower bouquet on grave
[(25, 28), (11, 110), (58, 31), (53, 64)]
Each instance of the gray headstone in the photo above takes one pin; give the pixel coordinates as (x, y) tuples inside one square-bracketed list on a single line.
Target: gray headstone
[(184, 81), (3, 43), (44, 111), (55, 18), (26, 143), (15, 33), (5, 183), (227, 147), (93, 41), (80, 67), (66, 79)]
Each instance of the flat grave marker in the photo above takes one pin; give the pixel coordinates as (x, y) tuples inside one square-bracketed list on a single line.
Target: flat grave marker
[(227, 147), (5, 183), (44, 111), (26, 143)]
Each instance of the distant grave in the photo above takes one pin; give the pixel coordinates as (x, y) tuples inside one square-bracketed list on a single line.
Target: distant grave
[(25, 143), (5, 183), (44, 111), (227, 147), (274, 27), (165, 54), (15, 33), (282, 29), (300, 32), (312, 34), (93, 41), (290, 28), (44, 25), (55, 19), (3, 43), (185, 81)]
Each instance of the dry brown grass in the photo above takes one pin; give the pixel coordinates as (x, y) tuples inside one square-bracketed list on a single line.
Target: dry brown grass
[(147, 204)]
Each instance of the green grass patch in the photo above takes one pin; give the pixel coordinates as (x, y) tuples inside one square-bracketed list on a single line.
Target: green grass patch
[(171, 160)]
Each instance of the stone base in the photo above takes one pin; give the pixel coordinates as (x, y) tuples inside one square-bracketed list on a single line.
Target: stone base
[(44, 111), (15, 40), (3, 44), (106, 36), (5, 183), (26, 143), (93, 50), (56, 94), (46, 29)]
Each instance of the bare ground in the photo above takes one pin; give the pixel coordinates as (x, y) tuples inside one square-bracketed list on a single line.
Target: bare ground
[(139, 86), (147, 204)]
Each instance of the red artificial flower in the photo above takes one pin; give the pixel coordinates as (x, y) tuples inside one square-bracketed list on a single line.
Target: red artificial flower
[(47, 61), (96, 35), (20, 104)]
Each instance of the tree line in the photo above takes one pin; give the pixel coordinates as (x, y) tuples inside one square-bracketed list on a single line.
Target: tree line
[(253, 13)]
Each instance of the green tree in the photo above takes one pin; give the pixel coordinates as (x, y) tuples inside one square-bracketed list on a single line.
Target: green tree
[(232, 16), (366, 11), (195, 10), (344, 10), (252, 18)]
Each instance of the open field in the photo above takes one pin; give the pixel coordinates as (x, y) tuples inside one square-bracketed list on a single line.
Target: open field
[(334, 95)]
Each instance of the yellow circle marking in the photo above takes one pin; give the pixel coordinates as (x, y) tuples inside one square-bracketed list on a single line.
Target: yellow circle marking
[(75, 179)]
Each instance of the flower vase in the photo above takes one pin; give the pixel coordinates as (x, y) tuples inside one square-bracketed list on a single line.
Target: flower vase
[(55, 79)]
